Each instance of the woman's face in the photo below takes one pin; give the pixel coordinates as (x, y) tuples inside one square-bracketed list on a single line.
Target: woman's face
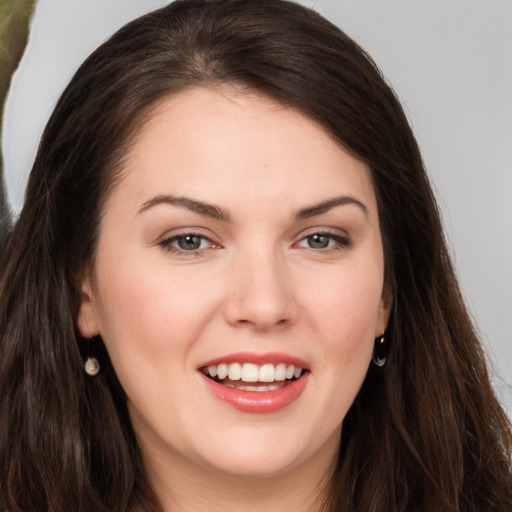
[(242, 240)]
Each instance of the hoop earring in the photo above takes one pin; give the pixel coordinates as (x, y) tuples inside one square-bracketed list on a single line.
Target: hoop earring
[(379, 357)]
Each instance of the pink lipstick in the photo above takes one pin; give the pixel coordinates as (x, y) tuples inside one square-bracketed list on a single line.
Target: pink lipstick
[(256, 383)]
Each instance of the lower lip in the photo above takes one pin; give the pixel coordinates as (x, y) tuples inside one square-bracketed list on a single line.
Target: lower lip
[(258, 402)]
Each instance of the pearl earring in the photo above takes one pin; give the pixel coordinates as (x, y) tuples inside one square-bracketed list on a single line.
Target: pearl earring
[(92, 366)]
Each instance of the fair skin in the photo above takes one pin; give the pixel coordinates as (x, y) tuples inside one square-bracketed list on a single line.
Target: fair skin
[(240, 233)]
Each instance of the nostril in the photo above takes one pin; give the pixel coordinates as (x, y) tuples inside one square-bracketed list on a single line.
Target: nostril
[(261, 293)]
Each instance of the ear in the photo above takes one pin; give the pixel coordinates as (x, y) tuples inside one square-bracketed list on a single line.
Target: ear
[(88, 324), (385, 307)]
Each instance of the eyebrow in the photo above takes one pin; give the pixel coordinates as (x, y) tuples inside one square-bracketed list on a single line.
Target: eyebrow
[(215, 212), (325, 206), (208, 210)]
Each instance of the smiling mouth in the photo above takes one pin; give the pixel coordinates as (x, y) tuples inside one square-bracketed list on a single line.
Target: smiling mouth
[(252, 377)]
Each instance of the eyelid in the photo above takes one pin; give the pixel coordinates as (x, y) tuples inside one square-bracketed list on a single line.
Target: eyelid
[(166, 241), (341, 238)]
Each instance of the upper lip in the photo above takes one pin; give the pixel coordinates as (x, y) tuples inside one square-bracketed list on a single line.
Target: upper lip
[(257, 359)]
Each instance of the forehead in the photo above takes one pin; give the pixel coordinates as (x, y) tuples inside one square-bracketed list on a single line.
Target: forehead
[(227, 145)]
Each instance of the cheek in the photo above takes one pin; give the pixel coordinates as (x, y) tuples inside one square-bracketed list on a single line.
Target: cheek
[(346, 311), (153, 313), (348, 303)]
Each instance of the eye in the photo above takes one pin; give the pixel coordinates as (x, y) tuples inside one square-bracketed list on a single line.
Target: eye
[(187, 243), (322, 240)]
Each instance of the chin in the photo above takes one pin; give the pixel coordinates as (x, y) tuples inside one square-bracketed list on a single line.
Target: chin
[(266, 454), (255, 467)]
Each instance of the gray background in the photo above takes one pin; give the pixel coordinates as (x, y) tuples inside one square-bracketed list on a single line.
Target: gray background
[(450, 61)]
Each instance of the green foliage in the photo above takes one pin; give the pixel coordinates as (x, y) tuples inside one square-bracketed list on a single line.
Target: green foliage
[(15, 18)]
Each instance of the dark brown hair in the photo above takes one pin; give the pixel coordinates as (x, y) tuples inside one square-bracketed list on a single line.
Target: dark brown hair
[(425, 433)]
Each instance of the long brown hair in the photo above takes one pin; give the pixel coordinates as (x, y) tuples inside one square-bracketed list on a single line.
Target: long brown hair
[(425, 433)]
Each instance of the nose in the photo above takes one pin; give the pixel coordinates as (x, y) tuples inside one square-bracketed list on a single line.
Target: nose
[(261, 292)]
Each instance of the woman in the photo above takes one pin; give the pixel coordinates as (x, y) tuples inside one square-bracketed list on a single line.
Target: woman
[(229, 289)]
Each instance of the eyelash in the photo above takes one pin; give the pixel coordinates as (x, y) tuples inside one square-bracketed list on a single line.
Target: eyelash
[(167, 244), (335, 242)]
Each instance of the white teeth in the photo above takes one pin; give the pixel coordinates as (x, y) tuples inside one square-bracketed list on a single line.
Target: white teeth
[(222, 371), (235, 371), (266, 373), (249, 372), (280, 373), (268, 387)]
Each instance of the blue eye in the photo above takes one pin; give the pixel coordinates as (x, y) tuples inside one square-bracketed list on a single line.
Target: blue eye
[(319, 241), (186, 242)]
